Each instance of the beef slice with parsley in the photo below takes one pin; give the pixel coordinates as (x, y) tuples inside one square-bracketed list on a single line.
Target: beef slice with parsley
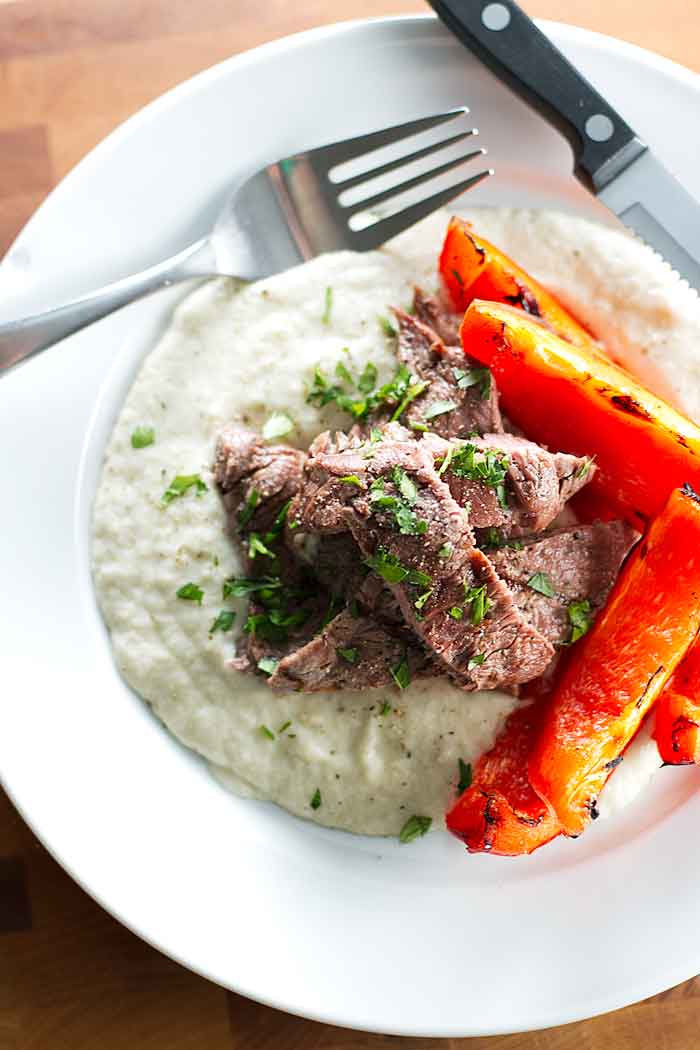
[(508, 482), (414, 535), (561, 580), (461, 397), (256, 480), (364, 646)]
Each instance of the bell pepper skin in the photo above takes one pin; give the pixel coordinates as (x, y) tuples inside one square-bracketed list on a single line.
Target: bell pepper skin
[(565, 397), (620, 668), (677, 729)]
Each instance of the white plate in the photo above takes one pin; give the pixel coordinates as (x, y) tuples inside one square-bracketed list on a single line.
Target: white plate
[(419, 940)]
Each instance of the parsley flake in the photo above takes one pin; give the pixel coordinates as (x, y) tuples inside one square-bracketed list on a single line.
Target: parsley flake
[(284, 727), (190, 592), (277, 426), (465, 776), (439, 408), (246, 513), (256, 546), (327, 306), (223, 622), (181, 484), (267, 733), (315, 802), (476, 661), (479, 602), (351, 479), (580, 617), (267, 665), (541, 583), (490, 468), (446, 551), (386, 708), (585, 468), (142, 437), (368, 379), (456, 612), (402, 674), (414, 828), (387, 327), (479, 377), (350, 655)]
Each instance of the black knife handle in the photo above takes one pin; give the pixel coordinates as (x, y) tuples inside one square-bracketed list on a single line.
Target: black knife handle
[(511, 45)]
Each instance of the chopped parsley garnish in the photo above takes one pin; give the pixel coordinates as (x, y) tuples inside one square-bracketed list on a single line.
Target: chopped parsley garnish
[(267, 733), (315, 802), (256, 546), (386, 708), (414, 828), (439, 408), (476, 661), (334, 606), (445, 462), (284, 727), (446, 551), (465, 776), (490, 468), (420, 602), (248, 510), (494, 538), (242, 587), (458, 277), (267, 665), (580, 617), (343, 372), (387, 327), (541, 583), (456, 612), (399, 392), (400, 505), (223, 622), (585, 468), (277, 426), (190, 592), (142, 437), (479, 602), (349, 655), (390, 569), (181, 484), (402, 674), (351, 479), (422, 427), (479, 377), (327, 306), (368, 380), (375, 435)]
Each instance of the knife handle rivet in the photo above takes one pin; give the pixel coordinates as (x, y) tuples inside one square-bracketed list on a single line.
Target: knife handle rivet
[(600, 128), (495, 17)]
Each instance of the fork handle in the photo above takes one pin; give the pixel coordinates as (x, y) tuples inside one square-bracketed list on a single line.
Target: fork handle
[(512, 46), (20, 339)]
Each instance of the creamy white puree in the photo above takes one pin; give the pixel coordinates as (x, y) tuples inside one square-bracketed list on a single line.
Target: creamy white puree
[(241, 353)]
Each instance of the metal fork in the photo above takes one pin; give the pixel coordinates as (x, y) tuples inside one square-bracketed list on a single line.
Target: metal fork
[(288, 212)]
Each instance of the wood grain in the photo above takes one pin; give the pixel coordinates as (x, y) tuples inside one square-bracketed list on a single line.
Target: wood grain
[(72, 978)]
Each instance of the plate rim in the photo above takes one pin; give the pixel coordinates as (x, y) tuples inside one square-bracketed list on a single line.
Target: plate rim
[(563, 32)]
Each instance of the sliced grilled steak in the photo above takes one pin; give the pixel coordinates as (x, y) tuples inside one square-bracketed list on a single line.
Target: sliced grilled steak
[(434, 313), (579, 564), (526, 486), (255, 479), (474, 402), (354, 651), (413, 533)]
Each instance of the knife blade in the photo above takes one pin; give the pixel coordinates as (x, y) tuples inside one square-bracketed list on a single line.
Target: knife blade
[(610, 159)]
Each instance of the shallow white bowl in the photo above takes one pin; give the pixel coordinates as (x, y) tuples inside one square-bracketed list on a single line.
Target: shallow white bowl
[(419, 940)]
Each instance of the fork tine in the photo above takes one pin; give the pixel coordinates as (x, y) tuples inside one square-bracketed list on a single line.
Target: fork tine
[(400, 162), (351, 149), (417, 180), (384, 229)]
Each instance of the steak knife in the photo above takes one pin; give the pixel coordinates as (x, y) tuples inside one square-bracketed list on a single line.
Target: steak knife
[(610, 160)]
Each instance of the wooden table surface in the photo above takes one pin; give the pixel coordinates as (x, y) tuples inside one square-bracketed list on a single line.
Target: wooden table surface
[(70, 976)]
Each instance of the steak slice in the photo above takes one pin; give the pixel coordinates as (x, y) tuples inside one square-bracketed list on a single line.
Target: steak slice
[(256, 480), (579, 564), (413, 533), (434, 313), (535, 484), (355, 650), (475, 402)]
